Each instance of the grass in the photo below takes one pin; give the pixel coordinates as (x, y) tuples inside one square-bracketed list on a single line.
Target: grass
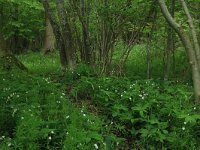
[(41, 64)]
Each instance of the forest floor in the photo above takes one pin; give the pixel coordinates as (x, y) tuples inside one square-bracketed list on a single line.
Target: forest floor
[(46, 109)]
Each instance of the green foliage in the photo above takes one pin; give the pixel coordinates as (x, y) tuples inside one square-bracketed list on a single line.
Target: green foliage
[(150, 112), (36, 115), (22, 17)]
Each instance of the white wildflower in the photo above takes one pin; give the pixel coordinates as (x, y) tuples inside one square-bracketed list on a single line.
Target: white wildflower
[(14, 111), (96, 146), (183, 128), (49, 137)]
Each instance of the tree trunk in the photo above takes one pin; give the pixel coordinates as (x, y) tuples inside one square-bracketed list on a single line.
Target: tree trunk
[(85, 29), (148, 50), (149, 44), (49, 44), (193, 32), (57, 33), (170, 45), (189, 44), (66, 33)]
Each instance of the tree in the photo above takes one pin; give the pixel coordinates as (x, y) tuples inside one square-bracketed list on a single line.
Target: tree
[(190, 43), (170, 45), (22, 24), (62, 32), (49, 44)]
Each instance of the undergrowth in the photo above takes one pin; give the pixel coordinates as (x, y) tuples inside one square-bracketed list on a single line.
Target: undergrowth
[(35, 114), (42, 109), (147, 114)]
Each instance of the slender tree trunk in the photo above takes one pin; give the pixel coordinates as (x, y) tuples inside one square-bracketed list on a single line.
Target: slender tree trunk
[(15, 45), (148, 50), (170, 45), (189, 44), (85, 27), (149, 45), (193, 32)]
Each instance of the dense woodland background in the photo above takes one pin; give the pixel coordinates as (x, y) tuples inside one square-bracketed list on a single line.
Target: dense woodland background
[(99, 74)]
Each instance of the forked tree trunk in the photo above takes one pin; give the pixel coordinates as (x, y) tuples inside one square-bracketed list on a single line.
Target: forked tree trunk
[(190, 44)]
